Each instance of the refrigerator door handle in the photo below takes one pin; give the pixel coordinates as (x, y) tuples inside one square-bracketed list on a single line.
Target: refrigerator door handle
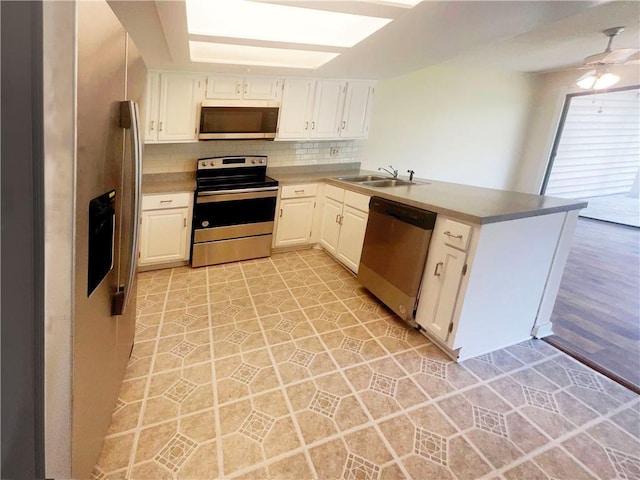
[(129, 119)]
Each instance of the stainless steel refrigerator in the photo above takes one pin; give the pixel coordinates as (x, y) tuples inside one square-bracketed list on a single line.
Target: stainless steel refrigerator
[(110, 83)]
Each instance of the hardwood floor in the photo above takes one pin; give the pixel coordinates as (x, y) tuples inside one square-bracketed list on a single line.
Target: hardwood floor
[(596, 317)]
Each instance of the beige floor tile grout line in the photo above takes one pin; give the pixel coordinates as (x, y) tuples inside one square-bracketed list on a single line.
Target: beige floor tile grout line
[(214, 387), (557, 442), (280, 381), (136, 437), (479, 380), (363, 406), (403, 411)]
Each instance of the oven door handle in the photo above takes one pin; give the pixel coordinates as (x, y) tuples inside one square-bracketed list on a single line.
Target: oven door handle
[(231, 197), (238, 190)]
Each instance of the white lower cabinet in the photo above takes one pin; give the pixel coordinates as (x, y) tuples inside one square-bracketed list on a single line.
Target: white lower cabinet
[(489, 286), (330, 226), (344, 222), (440, 286), (352, 230), (295, 215), (165, 228)]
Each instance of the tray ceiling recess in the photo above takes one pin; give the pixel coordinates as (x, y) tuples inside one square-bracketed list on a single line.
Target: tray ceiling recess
[(243, 32)]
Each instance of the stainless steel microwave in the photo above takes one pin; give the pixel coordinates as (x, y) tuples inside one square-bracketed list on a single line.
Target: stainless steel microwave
[(236, 121)]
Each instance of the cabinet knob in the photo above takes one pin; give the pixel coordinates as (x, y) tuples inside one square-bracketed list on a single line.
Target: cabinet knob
[(313, 125), (160, 127), (306, 125), (344, 124), (151, 127)]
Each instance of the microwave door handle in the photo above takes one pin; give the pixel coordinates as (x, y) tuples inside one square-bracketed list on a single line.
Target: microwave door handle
[(129, 119)]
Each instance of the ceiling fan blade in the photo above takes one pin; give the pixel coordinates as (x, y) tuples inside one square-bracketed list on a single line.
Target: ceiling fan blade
[(633, 59), (619, 55)]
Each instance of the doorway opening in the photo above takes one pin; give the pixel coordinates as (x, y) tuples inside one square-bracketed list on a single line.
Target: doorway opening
[(596, 155)]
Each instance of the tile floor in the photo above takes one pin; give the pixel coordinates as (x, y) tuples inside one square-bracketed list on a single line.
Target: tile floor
[(286, 368)]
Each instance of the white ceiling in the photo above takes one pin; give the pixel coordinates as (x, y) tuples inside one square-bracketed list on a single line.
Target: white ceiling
[(516, 35)]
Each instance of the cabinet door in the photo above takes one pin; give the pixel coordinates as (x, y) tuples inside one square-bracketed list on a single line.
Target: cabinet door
[(152, 104), (164, 236), (180, 96), (327, 109), (295, 111), (261, 88), (294, 222), (224, 87), (357, 110), (330, 226), (439, 292), (354, 225)]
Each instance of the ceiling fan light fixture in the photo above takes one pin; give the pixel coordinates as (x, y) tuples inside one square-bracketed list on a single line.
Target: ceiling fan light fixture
[(597, 80)]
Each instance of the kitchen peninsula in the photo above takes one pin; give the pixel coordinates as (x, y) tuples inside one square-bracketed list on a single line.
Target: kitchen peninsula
[(490, 285)]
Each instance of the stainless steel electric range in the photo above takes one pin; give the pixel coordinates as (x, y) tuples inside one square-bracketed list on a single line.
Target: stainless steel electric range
[(234, 210)]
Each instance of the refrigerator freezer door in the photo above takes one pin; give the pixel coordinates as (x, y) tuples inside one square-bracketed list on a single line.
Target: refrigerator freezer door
[(101, 342)]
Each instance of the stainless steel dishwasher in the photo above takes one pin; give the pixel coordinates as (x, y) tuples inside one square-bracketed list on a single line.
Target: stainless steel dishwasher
[(394, 254)]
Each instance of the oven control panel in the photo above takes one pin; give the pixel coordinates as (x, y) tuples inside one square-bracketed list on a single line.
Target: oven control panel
[(232, 162)]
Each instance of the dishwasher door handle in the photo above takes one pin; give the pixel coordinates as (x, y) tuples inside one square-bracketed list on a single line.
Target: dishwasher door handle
[(436, 272)]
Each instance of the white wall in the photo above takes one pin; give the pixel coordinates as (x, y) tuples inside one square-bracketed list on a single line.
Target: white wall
[(549, 92), (59, 38), (451, 124)]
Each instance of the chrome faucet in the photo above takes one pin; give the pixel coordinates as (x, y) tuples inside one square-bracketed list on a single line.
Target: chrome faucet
[(411, 173), (393, 172)]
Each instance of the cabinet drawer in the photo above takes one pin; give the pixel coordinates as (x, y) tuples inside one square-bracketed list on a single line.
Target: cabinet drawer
[(456, 234), (165, 200), (334, 192), (299, 191), (356, 200)]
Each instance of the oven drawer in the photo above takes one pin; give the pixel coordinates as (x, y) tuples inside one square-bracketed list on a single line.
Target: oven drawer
[(299, 191), (233, 231), (166, 200), (223, 251)]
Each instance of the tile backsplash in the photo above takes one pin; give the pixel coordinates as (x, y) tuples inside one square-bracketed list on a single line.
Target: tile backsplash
[(181, 157)]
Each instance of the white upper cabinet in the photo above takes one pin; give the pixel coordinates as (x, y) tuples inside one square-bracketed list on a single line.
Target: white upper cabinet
[(152, 105), (310, 109), (180, 96), (356, 115), (173, 107), (327, 109), (235, 87), (296, 109)]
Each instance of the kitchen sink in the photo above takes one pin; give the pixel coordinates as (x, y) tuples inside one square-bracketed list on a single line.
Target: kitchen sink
[(387, 182), (362, 178)]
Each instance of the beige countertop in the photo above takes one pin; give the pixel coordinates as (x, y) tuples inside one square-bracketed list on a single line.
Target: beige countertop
[(467, 203), (168, 182)]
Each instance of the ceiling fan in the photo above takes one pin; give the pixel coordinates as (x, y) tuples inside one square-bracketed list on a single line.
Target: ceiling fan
[(598, 77)]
